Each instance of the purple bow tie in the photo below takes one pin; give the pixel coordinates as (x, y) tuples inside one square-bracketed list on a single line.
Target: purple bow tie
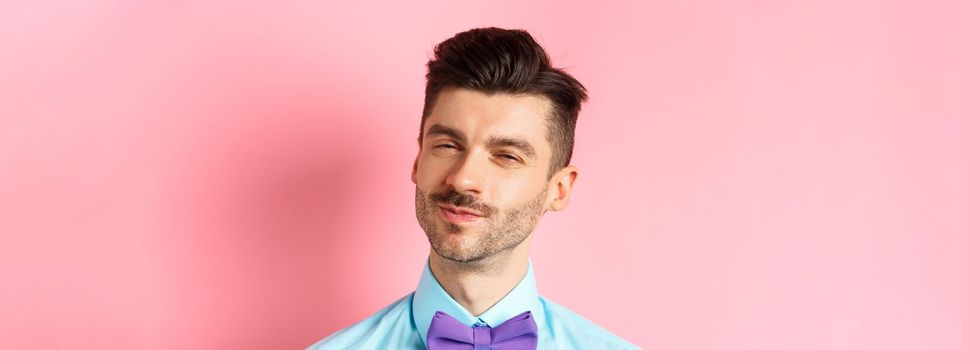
[(447, 333)]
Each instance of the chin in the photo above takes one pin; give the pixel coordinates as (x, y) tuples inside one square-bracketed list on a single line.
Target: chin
[(453, 248), (459, 257)]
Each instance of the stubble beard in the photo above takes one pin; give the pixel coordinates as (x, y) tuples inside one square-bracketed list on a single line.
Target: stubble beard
[(502, 231)]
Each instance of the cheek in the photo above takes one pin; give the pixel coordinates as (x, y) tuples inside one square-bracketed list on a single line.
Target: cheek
[(430, 171), (516, 190)]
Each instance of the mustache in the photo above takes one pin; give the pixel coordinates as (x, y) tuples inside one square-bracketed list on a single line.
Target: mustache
[(456, 199)]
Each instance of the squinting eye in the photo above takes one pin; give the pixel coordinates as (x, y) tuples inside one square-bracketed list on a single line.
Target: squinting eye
[(445, 145), (510, 157)]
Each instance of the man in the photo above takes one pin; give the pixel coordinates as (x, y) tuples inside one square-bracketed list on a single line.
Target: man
[(496, 137)]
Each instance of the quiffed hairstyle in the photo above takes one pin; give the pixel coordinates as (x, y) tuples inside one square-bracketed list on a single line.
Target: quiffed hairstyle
[(495, 60)]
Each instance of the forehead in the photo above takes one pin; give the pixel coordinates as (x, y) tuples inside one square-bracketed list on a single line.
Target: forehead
[(478, 114)]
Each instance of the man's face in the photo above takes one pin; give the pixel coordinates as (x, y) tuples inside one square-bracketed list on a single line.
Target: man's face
[(481, 172)]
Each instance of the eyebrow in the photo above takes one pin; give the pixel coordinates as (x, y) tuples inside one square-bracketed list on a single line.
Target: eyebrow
[(494, 141), (521, 145), (438, 129)]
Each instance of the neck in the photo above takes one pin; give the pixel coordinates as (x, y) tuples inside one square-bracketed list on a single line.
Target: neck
[(478, 285)]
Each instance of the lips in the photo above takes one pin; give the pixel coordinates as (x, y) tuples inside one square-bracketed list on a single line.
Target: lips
[(459, 210), (458, 215)]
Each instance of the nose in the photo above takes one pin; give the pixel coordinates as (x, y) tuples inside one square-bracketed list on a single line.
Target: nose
[(468, 174)]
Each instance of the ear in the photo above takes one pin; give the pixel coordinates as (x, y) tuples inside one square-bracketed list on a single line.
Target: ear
[(413, 172), (561, 185)]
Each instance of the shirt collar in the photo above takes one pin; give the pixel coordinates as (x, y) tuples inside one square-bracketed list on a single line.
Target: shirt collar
[(430, 297)]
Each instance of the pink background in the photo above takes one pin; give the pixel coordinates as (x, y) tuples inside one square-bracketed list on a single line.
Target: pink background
[(235, 175)]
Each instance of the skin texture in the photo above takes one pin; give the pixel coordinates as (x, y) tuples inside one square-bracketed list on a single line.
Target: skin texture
[(473, 157)]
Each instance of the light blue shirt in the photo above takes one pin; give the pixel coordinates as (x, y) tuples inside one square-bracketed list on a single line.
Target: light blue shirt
[(404, 323)]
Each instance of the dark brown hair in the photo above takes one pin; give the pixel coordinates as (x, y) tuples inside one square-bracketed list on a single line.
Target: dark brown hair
[(495, 60)]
